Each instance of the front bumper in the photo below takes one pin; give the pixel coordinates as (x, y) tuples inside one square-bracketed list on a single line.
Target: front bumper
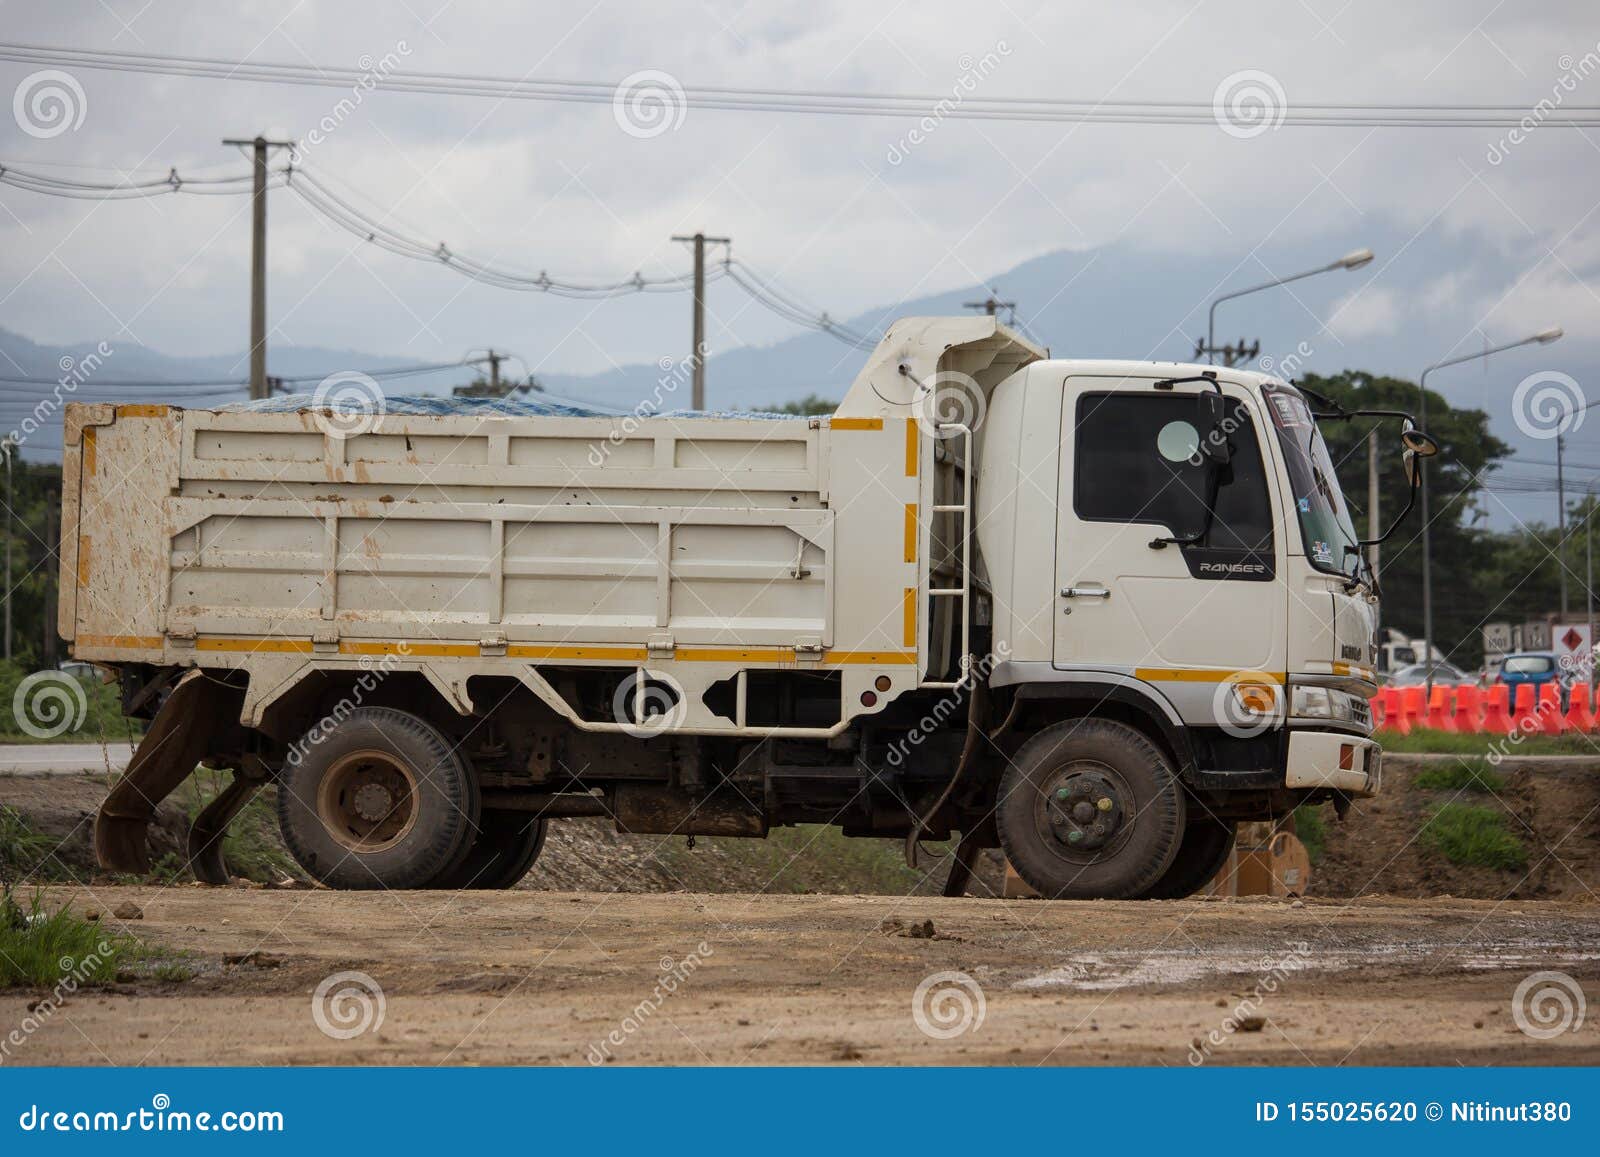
[(1331, 759)]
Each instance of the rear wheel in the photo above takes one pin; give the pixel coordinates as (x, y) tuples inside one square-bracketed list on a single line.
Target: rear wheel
[(507, 844), (1090, 809), (1204, 850), (379, 800)]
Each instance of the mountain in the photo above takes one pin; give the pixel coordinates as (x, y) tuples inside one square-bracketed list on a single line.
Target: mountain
[(1417, 303)]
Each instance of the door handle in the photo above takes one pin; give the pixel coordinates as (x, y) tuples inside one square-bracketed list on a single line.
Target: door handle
[(1085, 593)]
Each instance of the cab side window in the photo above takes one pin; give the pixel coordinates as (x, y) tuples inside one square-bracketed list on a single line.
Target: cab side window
[(1137, 460)]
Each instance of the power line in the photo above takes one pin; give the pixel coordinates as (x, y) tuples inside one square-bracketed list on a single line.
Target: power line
[(969, 107)]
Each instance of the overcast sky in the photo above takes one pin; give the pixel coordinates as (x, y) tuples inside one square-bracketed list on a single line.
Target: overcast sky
[(840, 209)]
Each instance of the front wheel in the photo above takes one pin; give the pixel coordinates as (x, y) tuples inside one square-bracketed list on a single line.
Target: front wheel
[(1090, 809)]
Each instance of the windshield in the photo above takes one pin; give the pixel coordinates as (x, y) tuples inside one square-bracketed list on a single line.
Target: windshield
[(1529, 665), (1325, 526)]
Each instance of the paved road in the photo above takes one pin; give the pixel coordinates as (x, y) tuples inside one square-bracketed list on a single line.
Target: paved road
[(62, 758)]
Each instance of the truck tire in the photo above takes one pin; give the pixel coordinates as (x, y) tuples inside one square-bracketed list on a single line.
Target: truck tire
[(1090, 809), (1204, 850), (380, 800), (506, 845)]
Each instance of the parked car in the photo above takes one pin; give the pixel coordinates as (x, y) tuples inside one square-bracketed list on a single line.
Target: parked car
[(1417, 674), (1536, 667)]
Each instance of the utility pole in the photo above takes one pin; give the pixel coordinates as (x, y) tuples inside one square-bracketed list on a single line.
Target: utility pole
[(10, 450), (1373, 530), (697, 357), (1232, 355), (1561, 524), (52, 580), (990, 305), (258, 261)]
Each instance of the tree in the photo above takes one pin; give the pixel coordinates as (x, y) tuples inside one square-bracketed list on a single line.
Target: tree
[(809, 405)]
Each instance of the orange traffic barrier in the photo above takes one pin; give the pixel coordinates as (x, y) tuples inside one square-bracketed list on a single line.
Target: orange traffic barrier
[(1580, 711), (1439, 717), (1497, 712), (1550, 717), (1525, 717), (1469, 709), (1389, 717), (1413, 709)]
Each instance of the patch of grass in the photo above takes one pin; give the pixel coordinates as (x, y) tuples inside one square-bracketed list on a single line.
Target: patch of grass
[(1465, 775), (22, 849), (1312, 830), (44, 949), (1452, 743), (1474, 836)]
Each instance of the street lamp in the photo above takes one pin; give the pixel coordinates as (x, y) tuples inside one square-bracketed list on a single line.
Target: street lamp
[(1543, 337), (1355, 259)]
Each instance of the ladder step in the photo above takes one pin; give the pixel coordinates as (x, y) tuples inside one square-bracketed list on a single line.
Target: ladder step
[(957, 509), (947, 592)]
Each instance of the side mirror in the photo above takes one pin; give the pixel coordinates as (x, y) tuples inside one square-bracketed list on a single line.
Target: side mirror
[(1417, 446)]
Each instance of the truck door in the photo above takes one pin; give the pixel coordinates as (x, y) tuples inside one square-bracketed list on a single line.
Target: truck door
[(1130, 475)]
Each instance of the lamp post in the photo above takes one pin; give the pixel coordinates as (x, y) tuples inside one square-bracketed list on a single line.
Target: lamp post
[(1543, 337), (1355, 259)]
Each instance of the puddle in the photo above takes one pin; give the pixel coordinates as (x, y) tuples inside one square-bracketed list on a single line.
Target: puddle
[(1133, 968)]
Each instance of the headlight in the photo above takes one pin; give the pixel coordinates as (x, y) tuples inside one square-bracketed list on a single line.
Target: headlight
[(1326, 703)]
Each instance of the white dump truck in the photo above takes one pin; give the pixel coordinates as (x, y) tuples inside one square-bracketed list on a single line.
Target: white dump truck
[(1094, 613)]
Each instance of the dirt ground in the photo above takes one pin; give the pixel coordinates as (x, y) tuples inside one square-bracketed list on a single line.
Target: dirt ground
[(578, 978)]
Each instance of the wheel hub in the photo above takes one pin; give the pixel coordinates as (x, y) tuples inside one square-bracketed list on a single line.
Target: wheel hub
[(373, 802), (1086, 810)]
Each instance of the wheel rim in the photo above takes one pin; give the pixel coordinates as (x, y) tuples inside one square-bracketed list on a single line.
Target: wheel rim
[(1084, 811), (368, 800)]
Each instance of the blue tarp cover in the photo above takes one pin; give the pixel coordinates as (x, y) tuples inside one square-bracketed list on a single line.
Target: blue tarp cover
[(434, 404)]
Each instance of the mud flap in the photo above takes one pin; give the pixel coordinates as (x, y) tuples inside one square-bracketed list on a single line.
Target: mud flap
[(165, 757), (205, 835)]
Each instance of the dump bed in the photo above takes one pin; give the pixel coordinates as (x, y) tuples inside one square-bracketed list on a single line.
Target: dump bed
[(198, 537)]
